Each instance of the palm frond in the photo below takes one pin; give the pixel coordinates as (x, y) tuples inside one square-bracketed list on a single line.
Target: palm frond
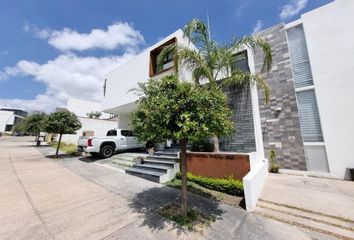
[(240, 79), (255, 42)]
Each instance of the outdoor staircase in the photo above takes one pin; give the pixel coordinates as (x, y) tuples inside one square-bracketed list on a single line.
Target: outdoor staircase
[(161, 167), (317, 225)]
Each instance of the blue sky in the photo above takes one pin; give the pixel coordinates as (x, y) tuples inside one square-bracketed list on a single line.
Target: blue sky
[(49, 53)]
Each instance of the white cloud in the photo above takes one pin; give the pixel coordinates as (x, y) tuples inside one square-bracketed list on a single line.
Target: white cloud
[(292, 8), (66, 76), (258, 26), (118, 34), (70, 75)]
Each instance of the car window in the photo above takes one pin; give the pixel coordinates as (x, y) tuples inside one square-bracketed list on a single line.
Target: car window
[(127, 133), (112, 133)]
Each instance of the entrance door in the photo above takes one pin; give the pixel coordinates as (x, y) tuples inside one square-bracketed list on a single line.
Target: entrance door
[(316, 158)]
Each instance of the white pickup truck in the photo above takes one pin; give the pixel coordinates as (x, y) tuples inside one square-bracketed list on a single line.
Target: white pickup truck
[(114, 141)]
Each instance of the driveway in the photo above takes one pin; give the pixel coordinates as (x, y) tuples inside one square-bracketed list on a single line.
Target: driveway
[(45, 198)]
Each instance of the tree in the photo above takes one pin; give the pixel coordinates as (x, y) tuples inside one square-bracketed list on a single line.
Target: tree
[(35, 123), (62, 122), (210, 61), (94, 114), (169, 109)]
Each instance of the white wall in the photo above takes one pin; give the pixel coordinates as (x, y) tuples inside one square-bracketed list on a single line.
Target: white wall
[(254, 181), (82, 107), (99, 126), (329, 32), (6, 117), (127, 76)]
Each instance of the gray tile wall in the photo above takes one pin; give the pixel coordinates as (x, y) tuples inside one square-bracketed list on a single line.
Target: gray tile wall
[(243, 139), (280, 119)]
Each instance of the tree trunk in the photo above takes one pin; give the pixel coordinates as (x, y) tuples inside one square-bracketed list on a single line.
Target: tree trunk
[(216, 143), (183, 160), (37, 137), (56, 153)]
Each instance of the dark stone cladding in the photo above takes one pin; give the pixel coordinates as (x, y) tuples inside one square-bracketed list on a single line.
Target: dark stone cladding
[(243, 140), (280, 119)]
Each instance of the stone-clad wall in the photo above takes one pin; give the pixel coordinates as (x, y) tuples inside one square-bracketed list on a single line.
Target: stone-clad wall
[(243, 140), (280, 119)]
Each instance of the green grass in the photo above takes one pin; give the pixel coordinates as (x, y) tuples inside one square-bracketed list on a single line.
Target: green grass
[(68, 148)]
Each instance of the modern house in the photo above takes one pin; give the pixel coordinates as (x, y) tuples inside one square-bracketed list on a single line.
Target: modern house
[(309, 122), (9, 118)]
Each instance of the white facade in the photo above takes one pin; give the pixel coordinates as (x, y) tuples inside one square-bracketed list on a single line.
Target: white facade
[(82, 107), (329, 32), (6, 118), (118, 97), (99, 127)]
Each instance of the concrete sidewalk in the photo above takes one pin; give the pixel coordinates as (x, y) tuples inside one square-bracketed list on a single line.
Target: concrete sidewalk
[(42, 198)]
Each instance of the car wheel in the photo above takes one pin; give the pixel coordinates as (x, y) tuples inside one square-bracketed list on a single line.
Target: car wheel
[(106, 151)]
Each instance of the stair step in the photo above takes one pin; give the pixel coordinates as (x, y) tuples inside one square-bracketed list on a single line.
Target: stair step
[(123, 162), (171, 154), (306, 220), (307, 214), (146, 174), (165, 158), (152, 167), (160, 162)]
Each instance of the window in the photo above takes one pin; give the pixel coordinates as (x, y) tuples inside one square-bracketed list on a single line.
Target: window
[(309, 117), (299, 57), (8, 128), (167, 63), (127, 133), (112, 133), (241, 62)]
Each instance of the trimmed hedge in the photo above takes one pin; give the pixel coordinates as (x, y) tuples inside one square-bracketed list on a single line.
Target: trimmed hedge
[(225, 185)]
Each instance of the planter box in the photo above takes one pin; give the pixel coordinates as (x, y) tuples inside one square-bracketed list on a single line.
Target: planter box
[(218, 165)]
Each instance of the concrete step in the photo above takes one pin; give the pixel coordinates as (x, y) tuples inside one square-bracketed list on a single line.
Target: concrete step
[(315, 224), (167, 163), (164, 158), (169, 154), (146, 174), (152, 167)]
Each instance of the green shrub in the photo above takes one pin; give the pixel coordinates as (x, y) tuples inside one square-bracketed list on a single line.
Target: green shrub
[(202, 146), (274, 165), (226, 185)]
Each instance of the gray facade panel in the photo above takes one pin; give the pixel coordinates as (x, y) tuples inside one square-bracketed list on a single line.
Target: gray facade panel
[(280, 119), (243, 140)]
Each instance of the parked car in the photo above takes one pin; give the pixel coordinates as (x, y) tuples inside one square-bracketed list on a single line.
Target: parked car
[(114, 141)]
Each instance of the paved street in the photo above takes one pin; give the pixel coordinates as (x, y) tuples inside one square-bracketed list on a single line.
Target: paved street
[(45, 198)]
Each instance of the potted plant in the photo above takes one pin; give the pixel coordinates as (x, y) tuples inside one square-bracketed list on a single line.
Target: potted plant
[(274, 165), (150, 147)]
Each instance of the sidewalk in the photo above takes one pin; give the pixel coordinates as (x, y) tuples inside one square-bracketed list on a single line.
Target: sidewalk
[(72, 199)]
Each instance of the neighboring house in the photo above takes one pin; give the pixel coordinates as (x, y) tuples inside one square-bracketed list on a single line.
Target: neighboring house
[(90, 126), (310, 119), (9, 118)]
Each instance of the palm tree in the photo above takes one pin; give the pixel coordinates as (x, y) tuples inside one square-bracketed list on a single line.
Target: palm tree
[(209, 61)]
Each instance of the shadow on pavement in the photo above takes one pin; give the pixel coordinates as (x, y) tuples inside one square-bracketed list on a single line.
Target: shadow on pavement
[(148, 202)]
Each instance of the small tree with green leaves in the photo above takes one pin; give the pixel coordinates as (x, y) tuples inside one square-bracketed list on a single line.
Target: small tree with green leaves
[(210, 61), (94, 114), (169, 109), (35, 123), (62, 122)]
